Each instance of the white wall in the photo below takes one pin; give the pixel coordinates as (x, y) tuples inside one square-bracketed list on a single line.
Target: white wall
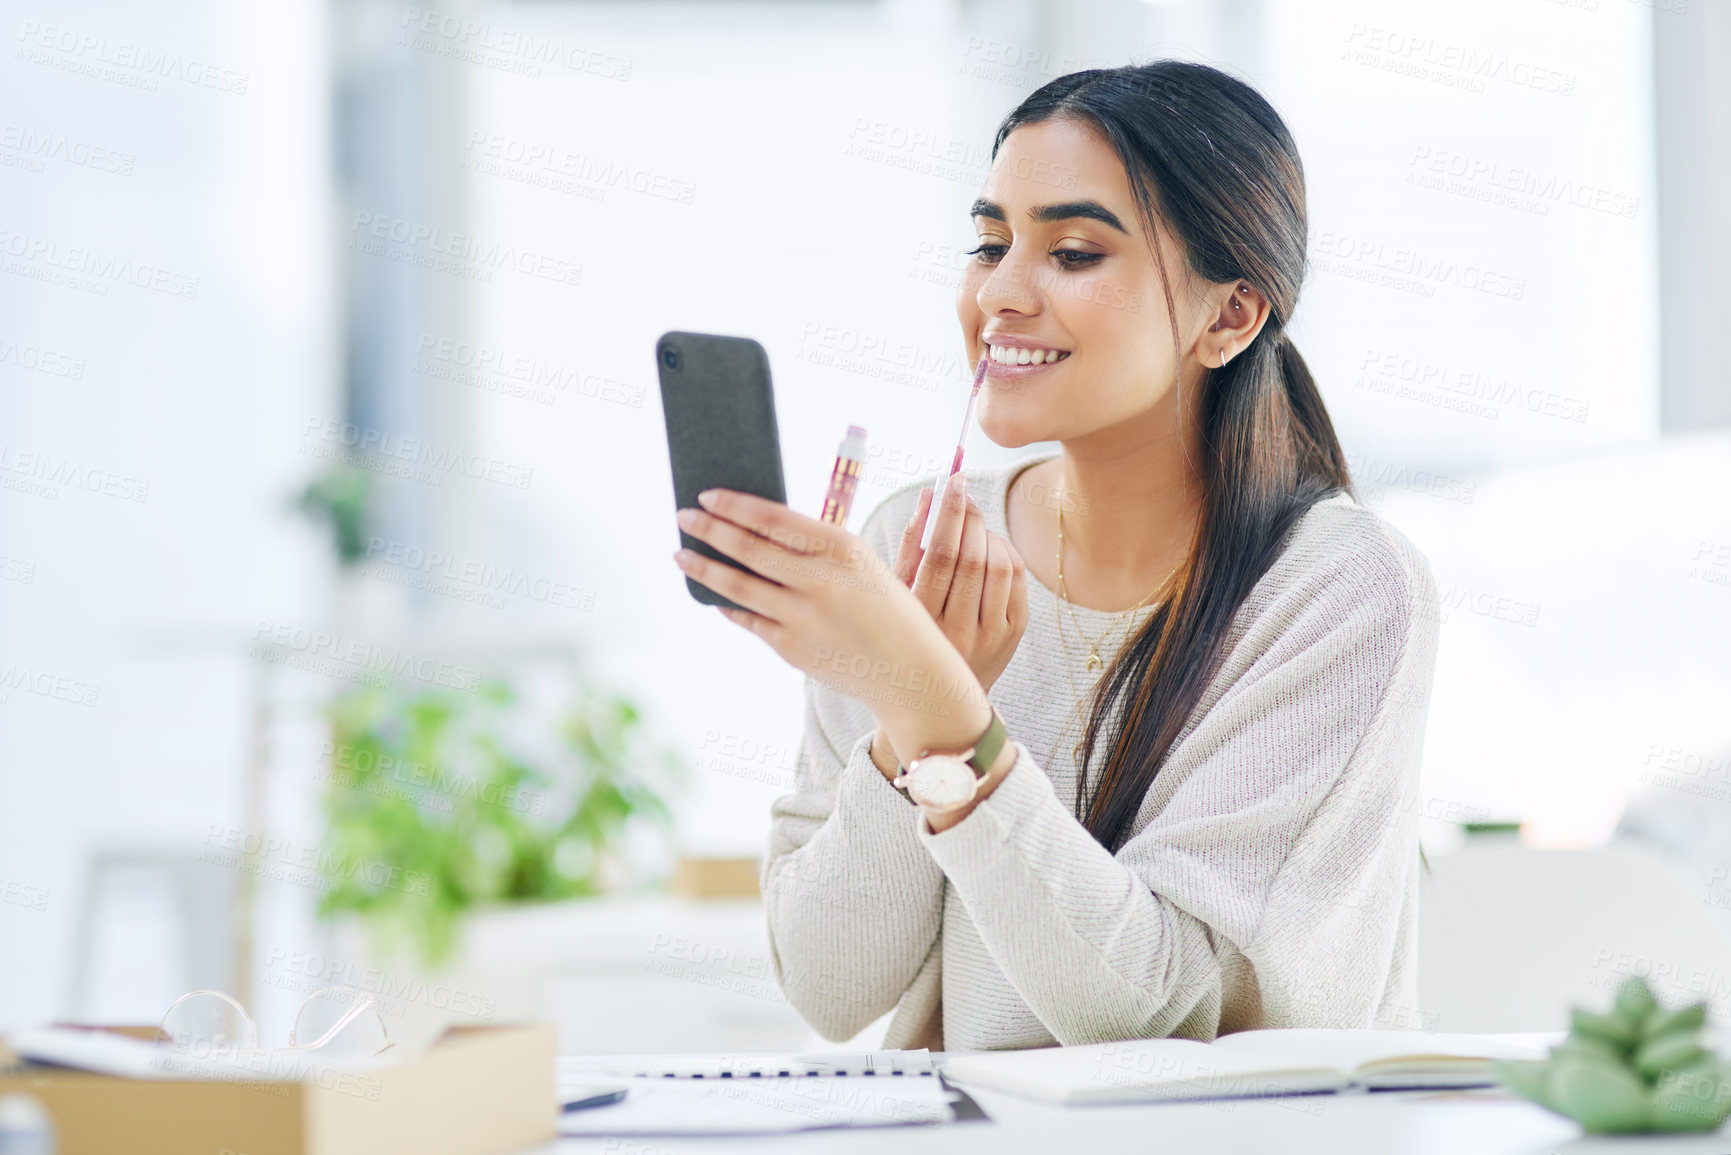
[(1484, 288), (791, 236), (164, 536)]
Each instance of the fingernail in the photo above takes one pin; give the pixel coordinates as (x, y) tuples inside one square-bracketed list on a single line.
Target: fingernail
[(706, 499), (960, 484), (682, 558), (687, 518)]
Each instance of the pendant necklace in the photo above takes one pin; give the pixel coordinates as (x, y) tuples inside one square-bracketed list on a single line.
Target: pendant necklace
[(1094, 664)]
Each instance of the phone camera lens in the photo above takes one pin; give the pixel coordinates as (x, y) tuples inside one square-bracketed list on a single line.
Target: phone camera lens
[(670, 357)]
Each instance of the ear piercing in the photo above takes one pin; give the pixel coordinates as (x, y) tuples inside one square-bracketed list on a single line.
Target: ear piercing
[(1235, 305), (1242, 289)]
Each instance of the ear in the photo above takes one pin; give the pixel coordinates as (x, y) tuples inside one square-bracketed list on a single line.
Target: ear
[(1240, 311)]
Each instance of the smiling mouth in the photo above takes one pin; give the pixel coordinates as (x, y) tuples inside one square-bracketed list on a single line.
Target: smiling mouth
[(1015, 355)]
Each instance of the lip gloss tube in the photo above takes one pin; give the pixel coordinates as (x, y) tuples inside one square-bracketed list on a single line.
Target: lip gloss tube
[(844, 478)]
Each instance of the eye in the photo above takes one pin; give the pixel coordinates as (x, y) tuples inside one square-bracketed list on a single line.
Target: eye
[(990, 254)]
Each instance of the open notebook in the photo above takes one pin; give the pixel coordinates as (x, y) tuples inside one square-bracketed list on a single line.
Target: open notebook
[(1272, 1062)]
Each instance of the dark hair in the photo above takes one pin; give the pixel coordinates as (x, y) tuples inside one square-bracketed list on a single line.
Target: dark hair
[(1210, 159)]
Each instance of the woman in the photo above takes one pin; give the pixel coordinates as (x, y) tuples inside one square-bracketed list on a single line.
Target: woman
[(1212, 666)]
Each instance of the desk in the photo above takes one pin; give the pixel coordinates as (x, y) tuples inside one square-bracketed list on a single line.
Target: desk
[(1385, 1123)]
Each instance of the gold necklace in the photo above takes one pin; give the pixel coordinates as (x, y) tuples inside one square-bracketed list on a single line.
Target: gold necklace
[(1076, 750), (1094, 663)]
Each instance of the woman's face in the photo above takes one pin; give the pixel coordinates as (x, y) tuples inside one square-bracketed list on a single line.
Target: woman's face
[(1065, 270)]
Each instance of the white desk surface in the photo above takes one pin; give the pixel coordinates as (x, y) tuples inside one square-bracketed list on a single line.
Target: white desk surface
[(1384, 1123)]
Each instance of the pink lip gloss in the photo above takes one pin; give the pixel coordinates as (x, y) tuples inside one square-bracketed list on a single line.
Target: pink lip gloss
[(943, 484), (844, 478)]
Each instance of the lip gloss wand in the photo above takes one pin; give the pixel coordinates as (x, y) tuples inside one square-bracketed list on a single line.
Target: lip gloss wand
[(943, 484)]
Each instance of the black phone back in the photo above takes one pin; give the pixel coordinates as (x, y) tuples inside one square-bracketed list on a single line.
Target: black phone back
[(721, 432)]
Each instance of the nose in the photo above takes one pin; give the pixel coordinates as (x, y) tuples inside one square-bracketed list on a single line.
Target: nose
[(1011, 286)]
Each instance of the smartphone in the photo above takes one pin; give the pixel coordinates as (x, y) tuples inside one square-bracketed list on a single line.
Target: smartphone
[(721, 431)]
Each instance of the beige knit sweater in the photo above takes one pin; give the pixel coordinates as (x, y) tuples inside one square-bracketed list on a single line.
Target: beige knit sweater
[(1272, 877)]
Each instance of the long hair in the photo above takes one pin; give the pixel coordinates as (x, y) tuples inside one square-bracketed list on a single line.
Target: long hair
[(1210, 159)]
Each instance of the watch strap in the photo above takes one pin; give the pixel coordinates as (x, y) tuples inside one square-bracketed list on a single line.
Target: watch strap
[(902, 772), (987, 748)]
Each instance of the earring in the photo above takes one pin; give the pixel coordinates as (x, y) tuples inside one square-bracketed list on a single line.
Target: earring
[(1235, 304), (1223, 358)]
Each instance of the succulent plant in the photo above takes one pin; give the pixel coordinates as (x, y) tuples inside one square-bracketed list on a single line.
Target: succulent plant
[(1637, 1067)]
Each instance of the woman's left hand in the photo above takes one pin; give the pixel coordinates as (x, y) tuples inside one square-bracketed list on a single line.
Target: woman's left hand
[(833, 609)]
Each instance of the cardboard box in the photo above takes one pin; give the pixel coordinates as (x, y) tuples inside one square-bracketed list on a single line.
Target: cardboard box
[(483, 1090), (716, 878)]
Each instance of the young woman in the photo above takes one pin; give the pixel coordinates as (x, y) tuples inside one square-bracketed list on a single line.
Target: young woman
[(1131, 750)]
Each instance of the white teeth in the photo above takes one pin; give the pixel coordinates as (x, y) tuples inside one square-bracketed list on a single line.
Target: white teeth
[(1007, 355)]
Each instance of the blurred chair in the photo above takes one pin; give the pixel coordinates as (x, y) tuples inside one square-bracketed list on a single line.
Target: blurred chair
[(1510, 938)]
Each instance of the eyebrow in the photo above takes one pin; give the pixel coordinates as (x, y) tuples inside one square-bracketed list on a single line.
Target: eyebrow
[(1062, 211)]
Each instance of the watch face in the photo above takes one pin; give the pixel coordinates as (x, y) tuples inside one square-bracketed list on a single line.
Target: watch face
[(941, 781)]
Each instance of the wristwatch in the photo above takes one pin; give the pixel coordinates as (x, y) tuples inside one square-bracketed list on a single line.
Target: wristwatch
[(944, 781)]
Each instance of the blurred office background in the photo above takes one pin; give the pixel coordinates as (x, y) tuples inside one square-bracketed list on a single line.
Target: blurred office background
[(327, 334)]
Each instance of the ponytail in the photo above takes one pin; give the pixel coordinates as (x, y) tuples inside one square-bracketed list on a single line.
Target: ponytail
[(1319, 450)]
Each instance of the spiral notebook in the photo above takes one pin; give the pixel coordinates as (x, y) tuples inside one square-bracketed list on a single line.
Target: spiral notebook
[(741, 1094)]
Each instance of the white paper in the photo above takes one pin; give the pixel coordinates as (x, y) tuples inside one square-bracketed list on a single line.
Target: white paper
[(676, 1106)]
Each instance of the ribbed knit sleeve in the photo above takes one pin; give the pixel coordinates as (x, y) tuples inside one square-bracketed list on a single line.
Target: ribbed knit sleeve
[(1277, 829), (853, 901)]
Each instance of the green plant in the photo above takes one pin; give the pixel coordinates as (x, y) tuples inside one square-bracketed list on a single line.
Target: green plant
[(430, 812), (339, 497), (1638, 1067)]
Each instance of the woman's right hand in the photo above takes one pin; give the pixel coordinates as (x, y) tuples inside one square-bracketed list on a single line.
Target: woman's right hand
[(972, 581)]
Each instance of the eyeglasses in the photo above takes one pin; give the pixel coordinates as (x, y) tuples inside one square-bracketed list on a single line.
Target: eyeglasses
[(337, 1022)]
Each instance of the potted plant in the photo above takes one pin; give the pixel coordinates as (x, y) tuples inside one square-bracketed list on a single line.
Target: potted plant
[(444, 808)]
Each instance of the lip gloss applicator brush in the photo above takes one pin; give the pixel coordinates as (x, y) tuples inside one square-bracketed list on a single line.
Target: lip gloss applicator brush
[(943, 484)]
